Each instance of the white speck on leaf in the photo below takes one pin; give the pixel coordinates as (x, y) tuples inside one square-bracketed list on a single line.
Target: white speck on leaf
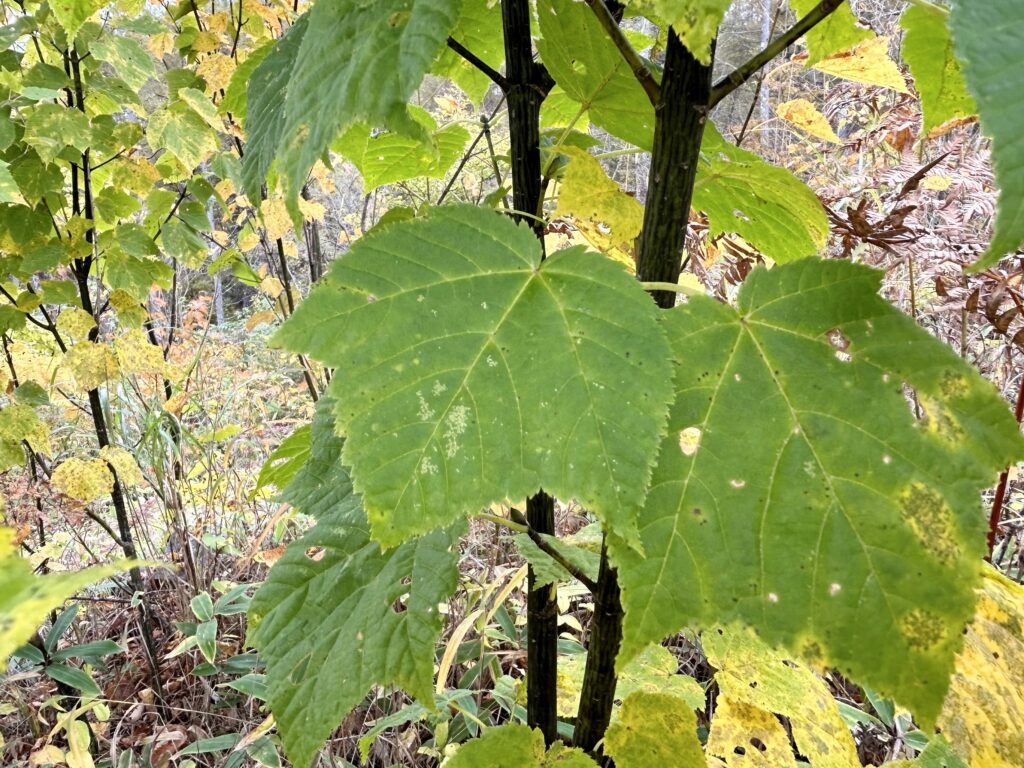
[(689, 440)]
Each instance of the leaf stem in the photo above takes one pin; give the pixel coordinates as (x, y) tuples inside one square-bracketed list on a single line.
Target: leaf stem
[(744, 72), (632, 58), (476, 61)]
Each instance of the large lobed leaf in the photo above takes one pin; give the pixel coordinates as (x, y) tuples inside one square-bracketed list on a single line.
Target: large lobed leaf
[(983, 715), (336, 615), (469, 372), (794, 486), (354, 60), (987, 37)]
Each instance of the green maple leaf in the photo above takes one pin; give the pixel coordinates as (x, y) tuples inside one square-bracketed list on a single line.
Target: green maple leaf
[(695, 21), (479, 29), (350, 61), (839, 31), (928, 50), (388, 157), (469, 372), (590, 70), (795, 486), (337, 615), (768, 206), (986, 36)]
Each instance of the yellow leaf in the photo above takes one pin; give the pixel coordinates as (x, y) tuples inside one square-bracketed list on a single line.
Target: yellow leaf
[(216, 69), (225, 188), (79, 737), (753, 676), (983, 715), (867, 62), (205, 41), (84, 480), (136, 354), (260, 318), (19, 422), (47, 755), (311, 210), (75, 323), (587, 194), (805, 116), (247, 242), (160, 44), (272, 287), (124, 464), (91, 364), (937, 183), (736, 727), (275, 218), (130, 311)]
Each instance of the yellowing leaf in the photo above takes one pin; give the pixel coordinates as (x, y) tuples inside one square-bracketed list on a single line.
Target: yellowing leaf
[(311, 210), (160, 44), (91, 364), (267, 317), (19, 422), (937, 183), (752, 675), (737, 727), (983, 715), (72, 14), (216, 69), (695, 21), (587, 193), (867, 63), (275, 218), (805, 116), (653, 671), (124, 464), (137, 354), (654, 729), (75, 323), (84, 480), (272, 287)]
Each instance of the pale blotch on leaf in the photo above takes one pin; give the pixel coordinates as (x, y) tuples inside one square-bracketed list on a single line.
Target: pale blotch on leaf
[(689, 440), (931, 520), (922, 629)]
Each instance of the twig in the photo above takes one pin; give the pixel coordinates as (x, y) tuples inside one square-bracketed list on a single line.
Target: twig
[(476, 61), (741, 74), (467, 154), (1000, 497), (636, 64), (545, 546)]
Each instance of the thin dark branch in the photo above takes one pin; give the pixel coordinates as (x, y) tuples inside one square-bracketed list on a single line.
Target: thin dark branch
[(995, 517), (476, 61), (636, 64), (466, 155), (546, 547), (741, 74)]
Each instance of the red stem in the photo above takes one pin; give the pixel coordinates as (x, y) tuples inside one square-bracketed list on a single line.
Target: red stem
[(1000, 498)]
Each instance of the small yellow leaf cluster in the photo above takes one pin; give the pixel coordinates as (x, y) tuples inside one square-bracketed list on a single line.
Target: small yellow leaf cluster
[(275, 218)]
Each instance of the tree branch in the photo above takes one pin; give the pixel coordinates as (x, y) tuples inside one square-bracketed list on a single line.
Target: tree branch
[(545, 546), (636, 64), (476, 61), (741, 74)]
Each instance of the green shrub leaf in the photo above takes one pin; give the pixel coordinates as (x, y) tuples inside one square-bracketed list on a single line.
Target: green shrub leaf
[(928, 51), (353, 61), (337, 615), (838, 32), (591, 71), (986, 37), (795, 485), (516, 746), (469, 372), (768, 206)]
